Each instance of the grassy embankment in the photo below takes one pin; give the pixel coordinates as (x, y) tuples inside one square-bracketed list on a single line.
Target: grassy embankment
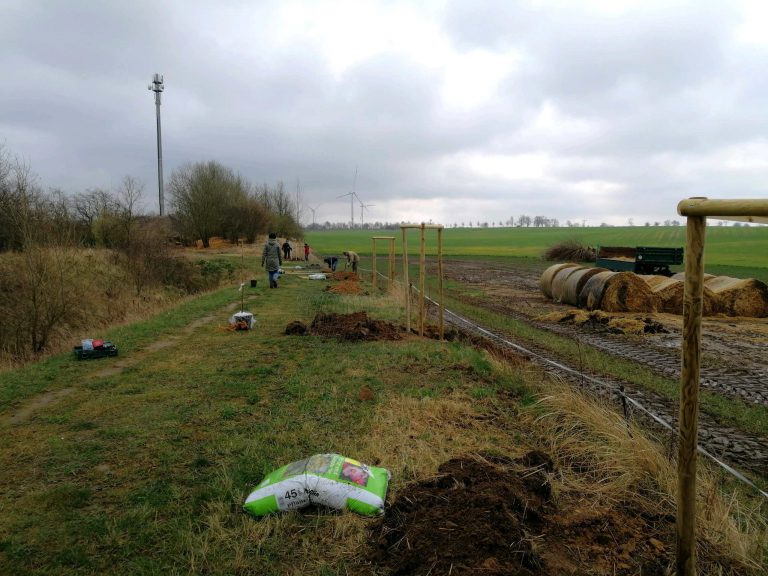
[(140, 464)]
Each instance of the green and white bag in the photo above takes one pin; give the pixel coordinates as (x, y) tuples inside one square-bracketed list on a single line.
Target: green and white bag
[(327, 479)]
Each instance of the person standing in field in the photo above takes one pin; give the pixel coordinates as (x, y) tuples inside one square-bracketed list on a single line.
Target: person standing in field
[(286, 250), (306, 252), (353, 259), (271, 260)]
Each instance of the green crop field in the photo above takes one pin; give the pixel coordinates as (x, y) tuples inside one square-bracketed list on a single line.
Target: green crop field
[(733, 251)]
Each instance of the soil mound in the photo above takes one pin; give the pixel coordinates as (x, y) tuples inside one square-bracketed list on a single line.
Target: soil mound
[(296, 328), (344, 275), (355, 326), (494, 516)]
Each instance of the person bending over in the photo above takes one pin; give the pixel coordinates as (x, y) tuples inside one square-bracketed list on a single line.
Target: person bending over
[(352, 259)]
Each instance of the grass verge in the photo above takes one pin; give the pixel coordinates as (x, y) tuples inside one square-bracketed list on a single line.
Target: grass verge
[(143, 469)]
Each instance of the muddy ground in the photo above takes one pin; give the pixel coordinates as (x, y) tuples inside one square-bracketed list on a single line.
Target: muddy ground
[(734, 359), (734, 345)]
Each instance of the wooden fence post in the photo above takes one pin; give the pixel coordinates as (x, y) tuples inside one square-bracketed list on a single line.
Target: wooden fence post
[(440, 278), (406, 282), (391, 262), (373, 264), (422, 274), (689, 396)]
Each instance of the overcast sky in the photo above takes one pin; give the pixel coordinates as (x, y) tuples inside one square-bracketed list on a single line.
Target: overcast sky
[(450, 111)]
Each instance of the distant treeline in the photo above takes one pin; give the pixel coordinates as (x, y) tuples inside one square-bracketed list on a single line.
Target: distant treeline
[(207, 199), (522, 221), (91, 258)]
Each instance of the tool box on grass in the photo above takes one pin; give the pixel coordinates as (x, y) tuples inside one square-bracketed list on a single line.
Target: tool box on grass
[(95, 349)]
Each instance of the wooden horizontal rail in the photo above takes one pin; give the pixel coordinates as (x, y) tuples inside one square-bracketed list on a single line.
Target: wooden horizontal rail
[(382, 237), (742, 210), (426, 226)]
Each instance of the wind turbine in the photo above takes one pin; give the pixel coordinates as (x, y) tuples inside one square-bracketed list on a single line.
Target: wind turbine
[(313, 212), (363, 207), (352, 197), (351, 203)]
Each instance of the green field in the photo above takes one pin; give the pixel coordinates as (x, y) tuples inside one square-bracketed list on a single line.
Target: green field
[(730, 251)]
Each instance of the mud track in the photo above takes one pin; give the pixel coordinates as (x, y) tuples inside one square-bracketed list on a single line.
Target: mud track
[(734, 359)]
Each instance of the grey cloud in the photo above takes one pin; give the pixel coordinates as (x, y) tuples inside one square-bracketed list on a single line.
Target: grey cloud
[(645, 91)]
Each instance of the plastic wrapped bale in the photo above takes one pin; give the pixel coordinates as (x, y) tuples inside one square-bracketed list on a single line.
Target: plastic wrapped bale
[(575, 283), (559, 280), (545, 282), (329, 480), (591, 294), (739, 297)]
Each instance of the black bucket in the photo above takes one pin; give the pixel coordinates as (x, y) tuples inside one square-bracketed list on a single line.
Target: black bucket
[(253, 283)]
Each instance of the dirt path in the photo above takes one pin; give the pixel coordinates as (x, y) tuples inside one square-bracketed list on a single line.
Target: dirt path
[(733, 348), (113, 368)]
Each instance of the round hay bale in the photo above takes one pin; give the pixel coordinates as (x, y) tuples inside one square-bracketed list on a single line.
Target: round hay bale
[(681, 276), (591, 294), (626, 292), (575, 283), (739, 297), (545, 282), (559, 280), (670, 293)]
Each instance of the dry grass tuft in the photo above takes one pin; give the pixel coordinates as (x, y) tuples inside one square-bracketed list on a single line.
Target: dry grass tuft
[(573, 250), (616, 463)]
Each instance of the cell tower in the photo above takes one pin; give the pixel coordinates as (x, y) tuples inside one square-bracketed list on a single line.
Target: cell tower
[(157, 87)]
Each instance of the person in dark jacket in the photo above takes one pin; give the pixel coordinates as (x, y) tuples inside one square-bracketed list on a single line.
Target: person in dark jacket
[(286, 250), (271, 259), (331, 261)]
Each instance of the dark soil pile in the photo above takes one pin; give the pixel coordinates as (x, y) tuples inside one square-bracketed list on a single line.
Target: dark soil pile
[(355, 326), (296, 328), (344, 275), (494, 516)]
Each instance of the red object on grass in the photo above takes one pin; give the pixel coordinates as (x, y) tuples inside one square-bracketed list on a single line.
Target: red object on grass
[(98, 343)]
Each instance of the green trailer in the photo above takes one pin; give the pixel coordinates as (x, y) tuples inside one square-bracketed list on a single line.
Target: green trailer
[(640, 260)]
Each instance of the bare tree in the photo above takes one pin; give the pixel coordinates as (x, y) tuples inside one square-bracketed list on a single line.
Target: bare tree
[(202, 196)]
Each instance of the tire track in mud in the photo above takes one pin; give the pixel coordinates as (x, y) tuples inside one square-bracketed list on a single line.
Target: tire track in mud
[(742, 385), (733, 446)]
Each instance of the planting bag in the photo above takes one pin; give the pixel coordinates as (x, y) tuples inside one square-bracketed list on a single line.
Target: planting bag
[(244, 319), (327, 479)]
